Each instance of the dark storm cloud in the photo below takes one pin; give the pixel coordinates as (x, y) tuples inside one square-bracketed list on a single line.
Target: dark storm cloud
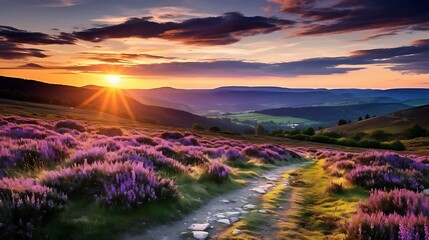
[(21, 36), (25, 37), (353, 15), (10, 50), (413, 58), (226, 29)]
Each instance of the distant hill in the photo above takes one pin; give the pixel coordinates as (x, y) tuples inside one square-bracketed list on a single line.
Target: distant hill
[(396, 122), (331, 114), (102, 100), (234, 99)]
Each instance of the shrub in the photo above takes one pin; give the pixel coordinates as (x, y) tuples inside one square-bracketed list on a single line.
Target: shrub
[(69, 124), (233, 154), (214, 129), (300, 137), (415, 131), (345, 165), (260, 130), (357, 136), (371, 143), (197, 127), (396, 145), (379, 135), (218, 171), (331, 134), (335, 188), (308, 131), (323, 139)]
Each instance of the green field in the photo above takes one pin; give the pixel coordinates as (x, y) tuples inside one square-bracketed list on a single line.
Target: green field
[(260, 118)]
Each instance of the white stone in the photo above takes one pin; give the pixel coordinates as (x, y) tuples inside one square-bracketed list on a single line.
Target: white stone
[(198, 226), (200, 235), (224, 201), (230, 214), (236, 232), (249, 206), (234, 219), (220, 215), (244, 212), (426, 192), (224, 221), (262, 211), (258, 190), (238, 209)]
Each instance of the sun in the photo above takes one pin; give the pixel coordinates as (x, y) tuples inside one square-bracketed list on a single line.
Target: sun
[(113, 79)]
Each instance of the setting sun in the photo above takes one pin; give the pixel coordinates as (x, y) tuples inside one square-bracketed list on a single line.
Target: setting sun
[(113, 79)]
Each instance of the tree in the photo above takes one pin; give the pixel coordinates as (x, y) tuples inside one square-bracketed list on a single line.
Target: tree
[(342, 122), (360, 118), (309, 131), (277, 132), (367, 116), (260, 130)]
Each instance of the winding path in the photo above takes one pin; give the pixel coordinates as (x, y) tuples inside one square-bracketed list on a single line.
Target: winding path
[(228, 206)]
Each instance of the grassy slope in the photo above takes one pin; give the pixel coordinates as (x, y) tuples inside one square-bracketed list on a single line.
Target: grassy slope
[(393, 123), (312, 213)]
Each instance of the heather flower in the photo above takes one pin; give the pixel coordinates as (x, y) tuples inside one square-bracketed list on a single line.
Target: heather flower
[(69, 124), (218, 171)]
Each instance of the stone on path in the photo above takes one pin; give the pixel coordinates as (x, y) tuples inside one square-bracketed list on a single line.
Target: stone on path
[(426, 192), (234, 219), (262, 211), (224, 201), (224, 221), (220, 215), (230, 214), (258, 190), (236, 232), (198, 226), (200, 235), (249, 206)]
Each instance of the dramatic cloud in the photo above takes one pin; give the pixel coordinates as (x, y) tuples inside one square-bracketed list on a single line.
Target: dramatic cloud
[(21, 36), (122, 57), (9, 50), (340, 16), (226, 29), (32, 66), (413, 58)]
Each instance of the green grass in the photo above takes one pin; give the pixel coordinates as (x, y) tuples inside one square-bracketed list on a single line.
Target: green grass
[(267, 118)]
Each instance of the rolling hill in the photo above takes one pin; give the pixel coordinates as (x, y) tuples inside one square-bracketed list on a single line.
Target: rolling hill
[(245, 99), (395, 122), (331, 114), (106, 100)]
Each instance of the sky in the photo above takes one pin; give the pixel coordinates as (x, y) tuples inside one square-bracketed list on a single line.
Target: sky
[(207, 44)]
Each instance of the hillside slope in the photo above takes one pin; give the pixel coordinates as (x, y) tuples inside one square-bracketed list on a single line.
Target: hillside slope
[(394, 122), (331, 114), (112, 101)]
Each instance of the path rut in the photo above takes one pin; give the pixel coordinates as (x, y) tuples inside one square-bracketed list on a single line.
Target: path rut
[(224, 206)]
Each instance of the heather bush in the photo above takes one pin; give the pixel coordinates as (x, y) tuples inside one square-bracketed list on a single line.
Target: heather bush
[(25, 205), (233, 154), (90, 156), (385, 177), (110, 131), (400, 201), (218, 171), (171, 135), (214, 152), (69, 124), (346, 165), (189, 141), (112, 181), (189, 155), (133, 189), (146, 140), (392, 226), (24, 131)]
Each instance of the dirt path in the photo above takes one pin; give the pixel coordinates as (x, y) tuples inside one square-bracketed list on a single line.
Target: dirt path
[(228, 207)]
